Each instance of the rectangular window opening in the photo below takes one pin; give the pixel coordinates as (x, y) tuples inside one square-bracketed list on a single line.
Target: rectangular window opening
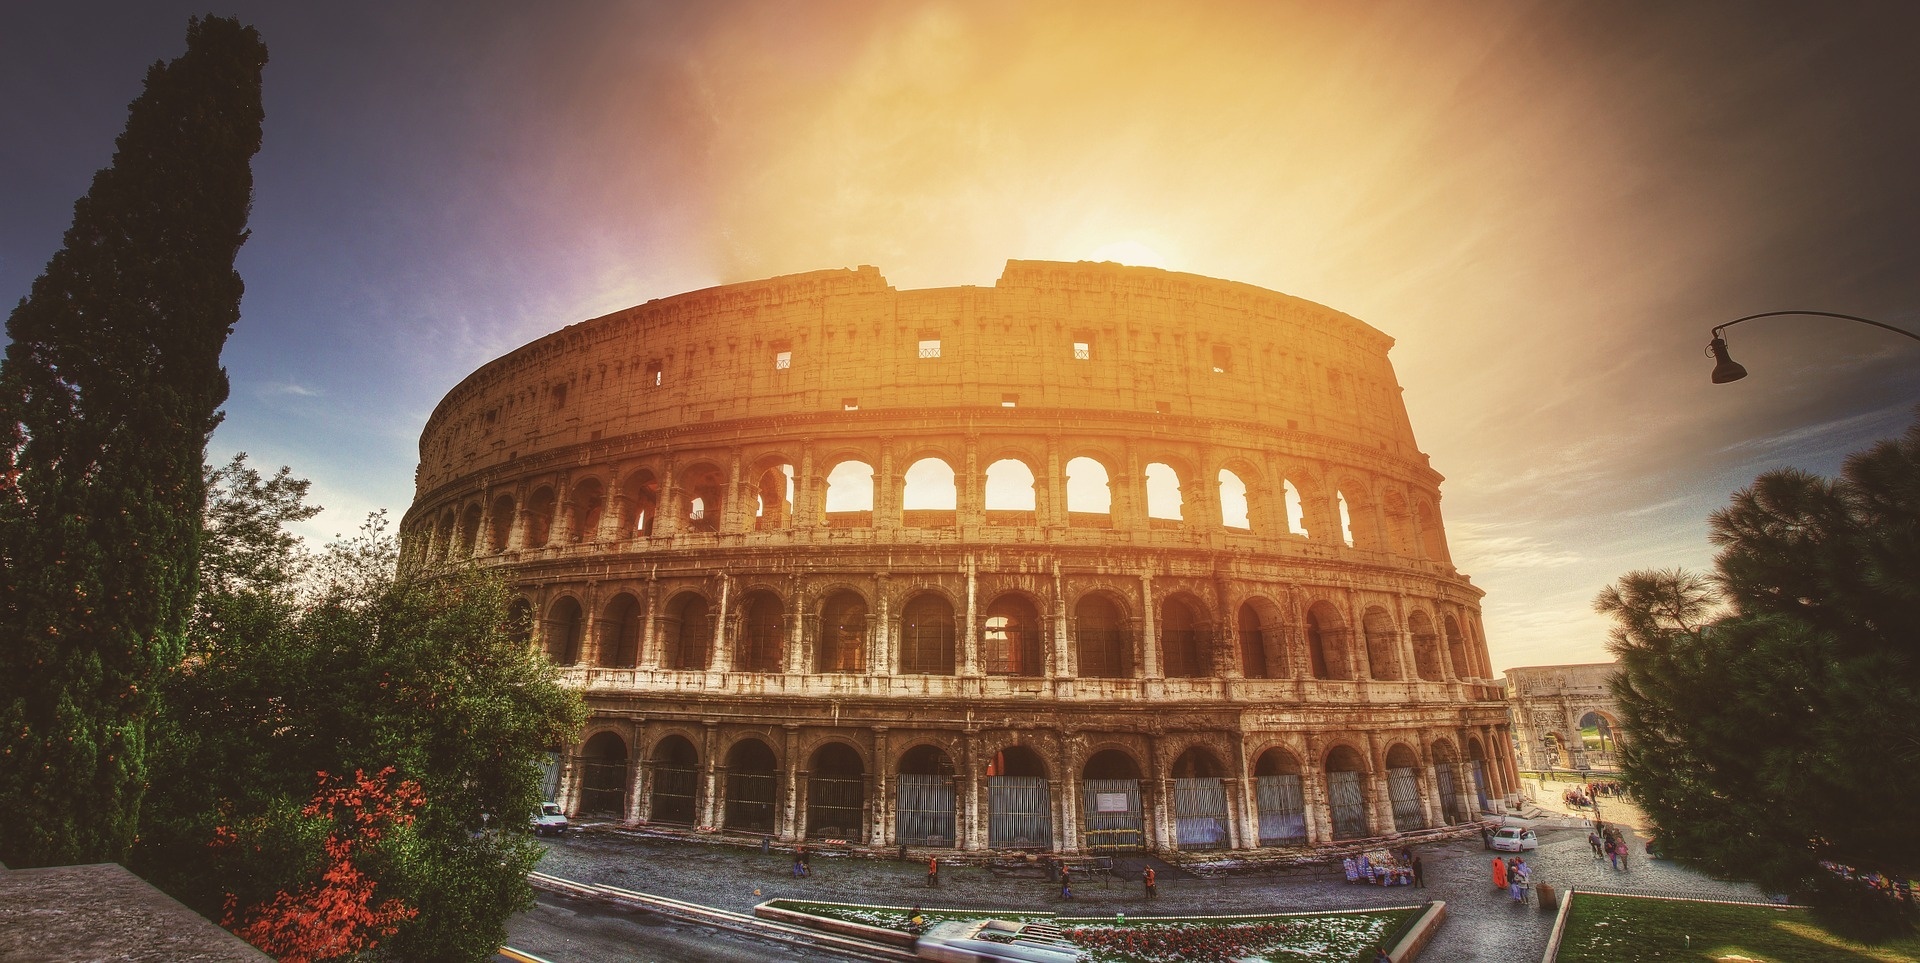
[(656, 374), (1222, 359), (782, 360), (1083, 351), (849, 404), (929, 347), (1009, 401), (1163, 407)]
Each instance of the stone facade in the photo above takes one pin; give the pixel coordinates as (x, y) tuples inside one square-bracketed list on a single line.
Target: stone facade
[(1097, 557), (1552, 704)]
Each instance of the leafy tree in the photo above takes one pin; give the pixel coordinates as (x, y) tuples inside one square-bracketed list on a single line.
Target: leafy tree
[(360, 669), (1772, 713), (110, 387)]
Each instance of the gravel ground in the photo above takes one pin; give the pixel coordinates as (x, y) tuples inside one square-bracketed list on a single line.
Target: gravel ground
[(1482, 924)]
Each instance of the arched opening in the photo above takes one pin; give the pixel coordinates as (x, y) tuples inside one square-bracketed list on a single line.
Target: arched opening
[(1346, 518), (1019, 809), (849, 501), (1597, 737), (1089, 494), (1281, 800), (773, 498), (1186, 640), (1010, 637), (837, 794), (703, 488), (1477, 761), (539, 518), (1163, 493), (1009, 493), (1263, 652), (1110, 800), (562, 631), (751, 783), (1347, 793), (688, 633), (1403, 788), (1199, 801), (641, 494), (1457, 649), (1296, 509), (520, 622), (676, 782), (603, 775), (589, 503), (762, 641), (1234, 511), (1383, 644), (470, 530), (1426, 648), (443, 539), (1555, 747), (502, 528), (926, 636), (842, 646), (620, 632), (1104, 646), (1447, 781), (928, 497), (924, 799), (1326, 643), (1433, 540)]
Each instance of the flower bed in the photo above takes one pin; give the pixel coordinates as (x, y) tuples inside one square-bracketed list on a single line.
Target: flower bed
[(1209, 939)]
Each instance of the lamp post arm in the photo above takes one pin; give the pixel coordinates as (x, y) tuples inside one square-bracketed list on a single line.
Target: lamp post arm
[(1818, 314)]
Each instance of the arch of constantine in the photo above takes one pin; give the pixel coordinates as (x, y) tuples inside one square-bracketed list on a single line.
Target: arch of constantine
[(1097, 557), (1565, 717)]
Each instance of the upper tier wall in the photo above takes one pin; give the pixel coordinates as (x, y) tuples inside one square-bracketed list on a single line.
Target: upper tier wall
[(1155, 341)]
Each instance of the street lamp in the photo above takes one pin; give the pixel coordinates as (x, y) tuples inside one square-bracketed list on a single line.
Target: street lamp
[(1726, 369)]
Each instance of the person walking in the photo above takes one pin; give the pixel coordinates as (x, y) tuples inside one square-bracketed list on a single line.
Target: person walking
[(933, 871), (1066, 882), (1150, 880), (1517, 879), (1419, 873), (800, 862), (1620, 853), (1499, 873), (1593, 840)]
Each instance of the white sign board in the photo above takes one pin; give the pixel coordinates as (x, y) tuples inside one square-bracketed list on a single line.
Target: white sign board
[(1110, 802)]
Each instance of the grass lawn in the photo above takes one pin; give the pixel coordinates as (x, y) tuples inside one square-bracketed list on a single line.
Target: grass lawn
[(1615, 929), (1274, 939)]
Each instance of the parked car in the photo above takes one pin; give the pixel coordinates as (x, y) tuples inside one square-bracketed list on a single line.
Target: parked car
[(549, 820), (1515, 839)]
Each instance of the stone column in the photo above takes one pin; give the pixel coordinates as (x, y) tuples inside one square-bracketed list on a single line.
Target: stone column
[(970, 502), (484, 536), (517, 530), (570, 772), (886, 491), (1247, 797), (650, 648), (720, 659), (590, 625), (790, 822), (667, 512), (1430, 790), (881, 661), (970, 632), (799, 651), (636, 776), (1149, 635), (615, 509), (1134, 517), (1071, 750), (1156, 798), (733, 514), (1059, 653), (807, 490), (709, 805), (971, 829), (1051, 494), (881, 832), (1379, 801), (1313, 791)]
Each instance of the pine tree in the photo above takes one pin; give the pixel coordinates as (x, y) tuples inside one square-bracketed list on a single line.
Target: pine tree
[(109, 390)]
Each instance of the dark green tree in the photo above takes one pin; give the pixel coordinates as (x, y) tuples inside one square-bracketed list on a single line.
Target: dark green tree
[(110, 387), (360, 668), (1772, 713)]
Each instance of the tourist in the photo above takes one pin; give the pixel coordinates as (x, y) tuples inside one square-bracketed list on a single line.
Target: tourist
[(1486, 836), (933, 871), (1419, 873), (800, 867), (1499, 873), (1150, 880), (916, 921), (1517, 879), (1593, 840), (1620, 853), (1066, 882)]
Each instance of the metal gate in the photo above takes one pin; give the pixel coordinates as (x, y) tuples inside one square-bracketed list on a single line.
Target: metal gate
[(1444, 785), (836, 808), (1200, 813), (750, 802), (1112, 812), (1018, 814), (1480, 784), (1403, 787), (1348, 801), (603, 787), (923, 810), (1283, 810), (674, 790), (550, 776)]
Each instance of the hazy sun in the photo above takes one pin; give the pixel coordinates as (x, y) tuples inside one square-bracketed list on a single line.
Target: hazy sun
[(1130, 252)]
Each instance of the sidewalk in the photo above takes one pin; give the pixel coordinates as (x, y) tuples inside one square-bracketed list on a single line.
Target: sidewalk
[(1483, 924)]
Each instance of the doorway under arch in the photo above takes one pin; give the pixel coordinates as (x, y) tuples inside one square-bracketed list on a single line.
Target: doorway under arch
[(924, 799), (675, 783), (1019, 808)]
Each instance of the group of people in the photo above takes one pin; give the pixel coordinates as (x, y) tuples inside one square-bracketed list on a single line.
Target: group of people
[(1383, 868), (1899, 889), (1513, 875), (1608, 843)]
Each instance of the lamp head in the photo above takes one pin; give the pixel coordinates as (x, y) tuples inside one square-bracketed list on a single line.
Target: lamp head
[(1725, 369)]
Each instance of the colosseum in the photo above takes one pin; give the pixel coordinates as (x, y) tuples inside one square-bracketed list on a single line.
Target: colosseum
[(1098, 558)]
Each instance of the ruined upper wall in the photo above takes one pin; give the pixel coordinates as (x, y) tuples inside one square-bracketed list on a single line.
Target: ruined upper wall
[(1156, 342)]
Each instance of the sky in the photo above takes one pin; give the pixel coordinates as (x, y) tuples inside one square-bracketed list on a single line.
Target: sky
[(1547, 204)]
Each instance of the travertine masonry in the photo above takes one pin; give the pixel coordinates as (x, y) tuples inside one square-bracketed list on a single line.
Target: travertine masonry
[(1098, 557)]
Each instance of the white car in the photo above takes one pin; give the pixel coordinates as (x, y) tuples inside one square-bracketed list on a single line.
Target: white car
[(550, 820), (1515, 839)]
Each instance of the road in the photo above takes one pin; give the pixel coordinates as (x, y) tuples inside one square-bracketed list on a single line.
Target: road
[(577, 931)]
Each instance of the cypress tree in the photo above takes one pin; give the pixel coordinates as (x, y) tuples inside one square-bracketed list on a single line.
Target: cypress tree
[(109, 390)]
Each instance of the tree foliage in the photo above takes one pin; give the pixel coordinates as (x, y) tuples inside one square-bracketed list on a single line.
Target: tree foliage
[(110, 387), (359, 669), (1772, 713)]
